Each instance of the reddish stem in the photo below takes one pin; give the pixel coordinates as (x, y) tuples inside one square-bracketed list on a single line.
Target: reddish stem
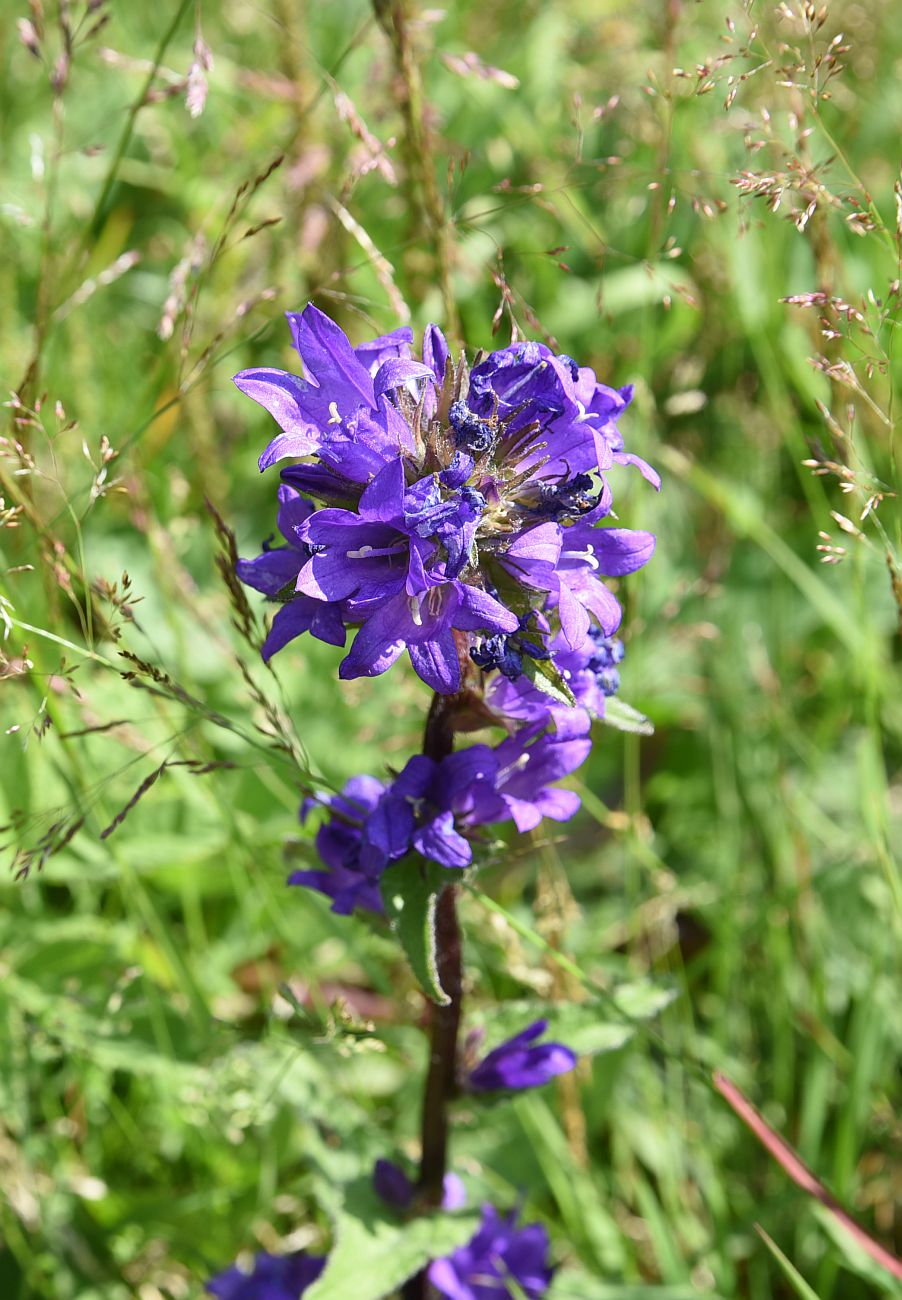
[(801, 1175), (441, 1076)]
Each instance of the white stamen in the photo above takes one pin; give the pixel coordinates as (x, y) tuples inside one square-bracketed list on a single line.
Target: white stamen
[(367, 552), (334, 417), (588, 555), (516, 766), (413, 605)]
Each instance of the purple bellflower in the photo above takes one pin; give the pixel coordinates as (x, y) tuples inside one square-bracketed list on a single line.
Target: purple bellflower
[(528, 762), (434, 807), (437, 513), (419, 807), (347, 880), (275, 571), (520, 1062), (274, 1277), (498, 1254)]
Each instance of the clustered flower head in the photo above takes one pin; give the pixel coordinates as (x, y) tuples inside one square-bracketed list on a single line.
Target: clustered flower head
[(456, 514), (463, 516), (436, 809), (501, 1261)]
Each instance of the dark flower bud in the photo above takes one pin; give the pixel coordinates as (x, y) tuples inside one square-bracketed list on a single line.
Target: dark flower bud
[(470, 431)]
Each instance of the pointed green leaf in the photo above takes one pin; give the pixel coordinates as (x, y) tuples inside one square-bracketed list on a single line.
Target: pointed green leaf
[(410, 891), (619, 714)]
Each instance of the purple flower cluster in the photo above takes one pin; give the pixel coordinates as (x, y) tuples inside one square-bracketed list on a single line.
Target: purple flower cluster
[(498, 1253), (450, 513), (462, 516), (434, 808)]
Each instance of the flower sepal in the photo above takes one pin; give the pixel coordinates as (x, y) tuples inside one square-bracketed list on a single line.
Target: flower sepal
[(546, 677), (623, 717)]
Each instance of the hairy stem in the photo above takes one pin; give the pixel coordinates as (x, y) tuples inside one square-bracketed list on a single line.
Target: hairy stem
[(438, 741)]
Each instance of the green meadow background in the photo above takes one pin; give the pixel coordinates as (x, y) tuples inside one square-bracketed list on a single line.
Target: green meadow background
[(187, 1048)]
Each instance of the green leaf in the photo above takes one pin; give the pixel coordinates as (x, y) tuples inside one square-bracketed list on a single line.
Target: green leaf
[(549, 680), (789, 1270), (374, 1252), (410, 891), (855, 1258), (619, 714)]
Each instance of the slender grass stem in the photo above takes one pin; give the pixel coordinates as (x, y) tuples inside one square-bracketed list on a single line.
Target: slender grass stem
[(394, 19), (93, 226)]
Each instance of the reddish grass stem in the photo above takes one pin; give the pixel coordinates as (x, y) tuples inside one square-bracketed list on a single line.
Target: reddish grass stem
[(801, 1175)]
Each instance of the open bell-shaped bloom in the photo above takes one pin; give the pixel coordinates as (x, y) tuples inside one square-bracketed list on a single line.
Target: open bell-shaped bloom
[(520, 1062)]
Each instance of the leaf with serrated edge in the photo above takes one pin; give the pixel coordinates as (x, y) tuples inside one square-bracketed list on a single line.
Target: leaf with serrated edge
[(374, 1252), (410, 890)]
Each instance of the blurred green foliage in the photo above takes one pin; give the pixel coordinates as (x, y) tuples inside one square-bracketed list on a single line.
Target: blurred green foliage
[(162, 1104)]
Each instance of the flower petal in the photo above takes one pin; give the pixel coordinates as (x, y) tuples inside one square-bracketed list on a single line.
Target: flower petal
[(440, 842), (652, 475), (479, 612), (392, 374), (328, 356), (285, 397), (436, 662)]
